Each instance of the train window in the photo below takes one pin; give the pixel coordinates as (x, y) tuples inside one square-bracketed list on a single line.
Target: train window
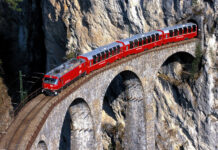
[(99, 57), (180, 31), (114, 50), (144, 40), (171, 33), (194, 28), (111, 51), (185, 30), (118, 49), (153, 37), (140, 42), (149, 39), (94, 59), (102, 55), (135, 43), (166, 35), (175, 32), (189, 29), (131, 44), (107, 53), (157, 36), (50, 80)]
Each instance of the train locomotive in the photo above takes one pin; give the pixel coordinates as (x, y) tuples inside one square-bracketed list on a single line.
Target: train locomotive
[(58, 78)]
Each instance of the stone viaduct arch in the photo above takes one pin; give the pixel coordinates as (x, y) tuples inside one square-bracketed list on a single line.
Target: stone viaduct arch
[(89, 101), (143, 69), (123, 116)]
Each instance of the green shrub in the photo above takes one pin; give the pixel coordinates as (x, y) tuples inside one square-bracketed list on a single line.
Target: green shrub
[(70, 55), (196, 62), (14, 4), (73, 54)]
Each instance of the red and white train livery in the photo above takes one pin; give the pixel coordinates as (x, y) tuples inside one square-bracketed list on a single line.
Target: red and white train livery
[(66, 73)]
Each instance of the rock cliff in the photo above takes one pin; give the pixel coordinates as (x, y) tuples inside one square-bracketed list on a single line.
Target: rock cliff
[(81, 26), (186, 109), (40, 37), (49, 30)]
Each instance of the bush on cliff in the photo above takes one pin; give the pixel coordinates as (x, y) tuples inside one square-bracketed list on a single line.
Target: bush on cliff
[(14, 4)]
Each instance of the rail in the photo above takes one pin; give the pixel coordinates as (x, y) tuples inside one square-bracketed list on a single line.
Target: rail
[(26, 100)]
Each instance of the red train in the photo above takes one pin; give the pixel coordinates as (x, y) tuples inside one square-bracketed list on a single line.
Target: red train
[(63, 75)]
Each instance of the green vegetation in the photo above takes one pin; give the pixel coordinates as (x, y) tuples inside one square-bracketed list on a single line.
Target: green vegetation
[(196, 62), (194, 3), (196, 9), (14, 4), (212, 30), (73, 54), (170, 80), (70, 55)]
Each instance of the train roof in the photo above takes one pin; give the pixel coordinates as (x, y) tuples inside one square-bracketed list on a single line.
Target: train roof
[(65, 67), (100, 49), (166, 30), (141, 35)]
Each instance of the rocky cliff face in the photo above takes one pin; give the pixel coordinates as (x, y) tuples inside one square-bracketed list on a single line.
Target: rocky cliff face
[(186, 109), (186, 112), (48, 30), (6, 109), (39, 38), (22, 45), (81, 26)]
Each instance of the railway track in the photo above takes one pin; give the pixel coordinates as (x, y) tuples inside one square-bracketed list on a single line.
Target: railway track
[(24, 129)]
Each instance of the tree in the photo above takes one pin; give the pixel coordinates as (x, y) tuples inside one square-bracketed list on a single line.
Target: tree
[(14, 4)]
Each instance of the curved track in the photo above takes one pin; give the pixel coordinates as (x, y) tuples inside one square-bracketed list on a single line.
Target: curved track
[(18, 128), (29, 121)]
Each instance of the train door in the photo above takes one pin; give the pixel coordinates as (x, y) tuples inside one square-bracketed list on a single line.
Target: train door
[(194, 30), (61, 83), (170, 39), (189, 32)]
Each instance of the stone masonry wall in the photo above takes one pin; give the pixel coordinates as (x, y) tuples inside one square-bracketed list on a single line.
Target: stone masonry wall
[(145, 67)]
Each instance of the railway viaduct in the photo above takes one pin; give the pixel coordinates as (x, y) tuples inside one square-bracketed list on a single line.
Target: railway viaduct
[(73, 119)]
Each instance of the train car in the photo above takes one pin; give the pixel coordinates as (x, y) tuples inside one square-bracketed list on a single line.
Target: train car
[(142, 42), (102, 56), (63, 75), (73, 69), (179, 32)]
